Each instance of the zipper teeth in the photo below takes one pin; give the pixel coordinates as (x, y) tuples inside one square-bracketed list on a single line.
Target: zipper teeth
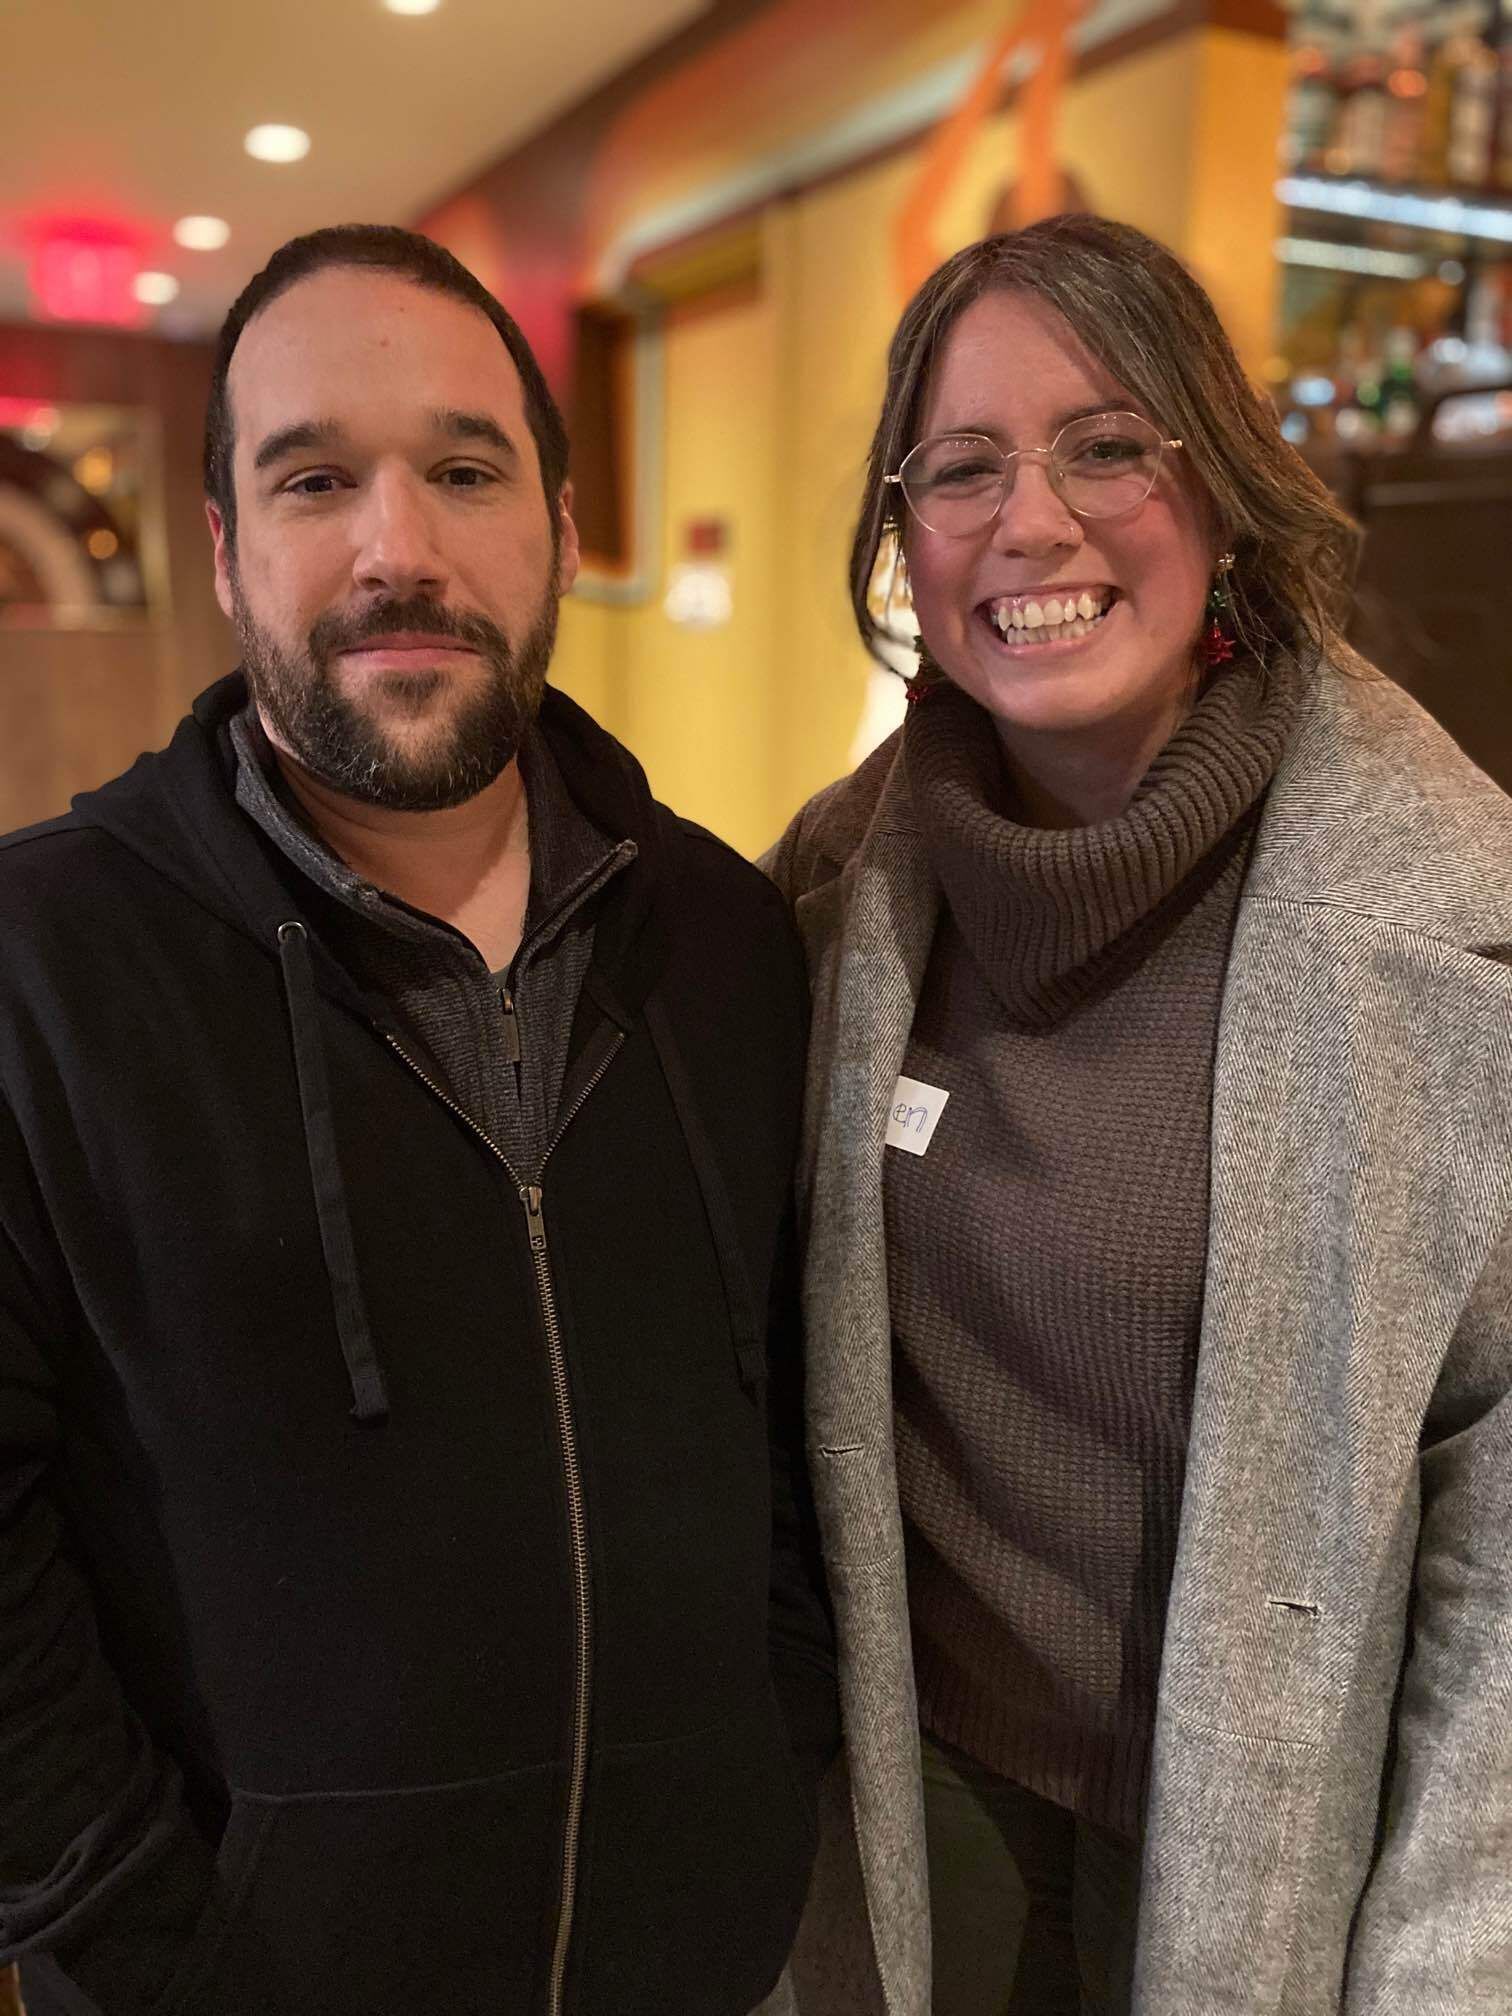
[(576, 1516), (577, 1519), (583, 1096), (577, 1522), (452, 1107)]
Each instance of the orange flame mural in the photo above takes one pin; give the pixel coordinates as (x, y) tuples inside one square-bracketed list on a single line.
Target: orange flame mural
[(1041, 187)]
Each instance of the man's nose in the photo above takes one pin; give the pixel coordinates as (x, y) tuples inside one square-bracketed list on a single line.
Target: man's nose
[(1034, 518), (397, 551)]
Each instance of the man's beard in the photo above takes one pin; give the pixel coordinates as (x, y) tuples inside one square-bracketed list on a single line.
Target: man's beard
[(334, 738)]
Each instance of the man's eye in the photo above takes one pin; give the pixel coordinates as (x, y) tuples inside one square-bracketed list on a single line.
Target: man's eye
[(319, 483), (466, 477)]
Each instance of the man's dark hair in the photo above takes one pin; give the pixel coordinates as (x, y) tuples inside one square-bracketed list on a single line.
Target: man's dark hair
[(386, 249)]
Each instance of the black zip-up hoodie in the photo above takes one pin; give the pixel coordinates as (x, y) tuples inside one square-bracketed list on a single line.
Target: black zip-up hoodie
[(407, 1589)]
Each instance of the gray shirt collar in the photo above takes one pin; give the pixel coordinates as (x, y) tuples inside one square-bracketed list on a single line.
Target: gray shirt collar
[(568, 853)]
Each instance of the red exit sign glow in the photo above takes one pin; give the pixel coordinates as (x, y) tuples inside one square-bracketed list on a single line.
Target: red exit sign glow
[(86, 272)]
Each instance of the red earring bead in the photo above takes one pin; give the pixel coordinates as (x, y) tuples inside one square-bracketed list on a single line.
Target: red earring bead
[(1215, 646)]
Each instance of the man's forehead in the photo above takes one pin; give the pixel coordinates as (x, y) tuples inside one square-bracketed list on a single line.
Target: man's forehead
[(352, 335)]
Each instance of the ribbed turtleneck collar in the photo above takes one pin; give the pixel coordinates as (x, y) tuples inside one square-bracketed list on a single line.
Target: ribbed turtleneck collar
[(1041, 907)]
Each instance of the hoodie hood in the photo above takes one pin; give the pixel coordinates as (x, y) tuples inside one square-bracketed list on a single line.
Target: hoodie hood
[(177, 811), (175, 808)]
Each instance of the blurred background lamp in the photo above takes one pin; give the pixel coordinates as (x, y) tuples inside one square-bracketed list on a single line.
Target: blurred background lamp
[(412, 6), (201, 234), (277, 143), (155, 290)]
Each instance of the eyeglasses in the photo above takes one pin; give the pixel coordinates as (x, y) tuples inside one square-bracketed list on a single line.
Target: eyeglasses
[(1099, 467)]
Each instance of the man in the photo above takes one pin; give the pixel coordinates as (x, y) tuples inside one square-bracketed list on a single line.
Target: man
[(406, 1594)]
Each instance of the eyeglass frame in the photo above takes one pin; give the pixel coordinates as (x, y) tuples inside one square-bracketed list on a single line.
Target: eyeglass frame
[(1007, 455)]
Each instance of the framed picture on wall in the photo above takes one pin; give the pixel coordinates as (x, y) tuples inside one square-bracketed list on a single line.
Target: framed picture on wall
[(81, 527)]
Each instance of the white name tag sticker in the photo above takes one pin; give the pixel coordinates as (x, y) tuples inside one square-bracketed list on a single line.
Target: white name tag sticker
[(914, 1115)]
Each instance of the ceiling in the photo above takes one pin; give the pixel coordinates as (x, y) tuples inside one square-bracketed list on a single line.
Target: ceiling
[(133, 111)]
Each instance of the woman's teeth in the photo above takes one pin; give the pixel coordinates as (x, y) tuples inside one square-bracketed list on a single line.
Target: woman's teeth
[(1055, 619)]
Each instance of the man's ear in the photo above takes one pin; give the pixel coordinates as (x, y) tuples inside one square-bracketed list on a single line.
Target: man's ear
[(223, 561), (570, 552)]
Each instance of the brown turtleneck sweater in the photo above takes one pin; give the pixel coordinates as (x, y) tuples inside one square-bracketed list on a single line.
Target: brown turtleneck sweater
[(1047, 1251)]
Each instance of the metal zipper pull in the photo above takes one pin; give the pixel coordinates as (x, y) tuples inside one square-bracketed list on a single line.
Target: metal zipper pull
[(535, 1218), (511, 1027)]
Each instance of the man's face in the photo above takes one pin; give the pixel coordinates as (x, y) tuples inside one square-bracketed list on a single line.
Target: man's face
[(395, 576)]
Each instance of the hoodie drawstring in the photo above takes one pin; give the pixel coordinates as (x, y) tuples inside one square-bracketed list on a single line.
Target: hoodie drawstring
[(370, 1400), (748, 1331)]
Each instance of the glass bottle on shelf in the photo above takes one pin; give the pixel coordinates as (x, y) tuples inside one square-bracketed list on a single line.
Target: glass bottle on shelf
[(1501, 169), (1312, 106), (1488, 324), (1357, 409), (1438, 106), (1472, 117), (1407, 93), (1359, 139), (1399, 392), (1312, 103)]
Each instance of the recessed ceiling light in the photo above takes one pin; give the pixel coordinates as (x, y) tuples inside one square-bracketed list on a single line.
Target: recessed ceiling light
[(201, 234), (156, 289), (412, 6), (277, 143)]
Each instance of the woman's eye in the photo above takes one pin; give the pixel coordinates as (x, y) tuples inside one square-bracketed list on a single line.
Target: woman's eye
[(1110, 448), (962, 472)]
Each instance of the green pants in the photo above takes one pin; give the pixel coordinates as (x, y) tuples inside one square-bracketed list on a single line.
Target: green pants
[(1033, 1910)]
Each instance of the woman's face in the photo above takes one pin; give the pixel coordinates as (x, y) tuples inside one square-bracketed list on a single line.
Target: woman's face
[(1012, 369)]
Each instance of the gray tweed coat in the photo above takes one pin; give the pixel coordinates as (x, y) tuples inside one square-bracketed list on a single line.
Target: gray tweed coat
[(1330, 1826)]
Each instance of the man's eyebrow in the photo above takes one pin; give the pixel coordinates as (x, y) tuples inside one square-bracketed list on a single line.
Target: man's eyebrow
[(473, 427), (288, 440)]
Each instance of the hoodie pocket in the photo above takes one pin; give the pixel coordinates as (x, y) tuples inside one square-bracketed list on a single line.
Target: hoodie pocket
[(701, 1849), (235, 1869), (382, 1903)]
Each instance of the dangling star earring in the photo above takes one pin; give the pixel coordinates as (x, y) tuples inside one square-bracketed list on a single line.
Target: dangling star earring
[(1216, 644)]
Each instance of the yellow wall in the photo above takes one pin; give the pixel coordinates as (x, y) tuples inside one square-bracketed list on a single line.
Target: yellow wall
[(771, 398), (1232, 218)]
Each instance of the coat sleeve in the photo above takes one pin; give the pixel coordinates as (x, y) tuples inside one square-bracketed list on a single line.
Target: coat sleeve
[(100, 1865), (1434, 1929), (801, 1628)]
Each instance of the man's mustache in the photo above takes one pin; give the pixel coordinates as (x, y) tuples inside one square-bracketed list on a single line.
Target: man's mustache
[(334, 632)]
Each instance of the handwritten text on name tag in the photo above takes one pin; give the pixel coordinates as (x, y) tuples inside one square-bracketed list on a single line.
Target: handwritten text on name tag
[(913, 1115)]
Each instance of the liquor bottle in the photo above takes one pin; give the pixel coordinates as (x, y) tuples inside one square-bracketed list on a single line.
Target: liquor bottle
[(1313, 98), (1472, 118), (1488, 325), (1407, 89), (1357, 383), (1501, 171), (1438, 108), (1360, 130), (1311, 109), (1399, 393)]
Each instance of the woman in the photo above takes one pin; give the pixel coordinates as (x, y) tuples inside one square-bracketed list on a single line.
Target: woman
[(1156, 1175)]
